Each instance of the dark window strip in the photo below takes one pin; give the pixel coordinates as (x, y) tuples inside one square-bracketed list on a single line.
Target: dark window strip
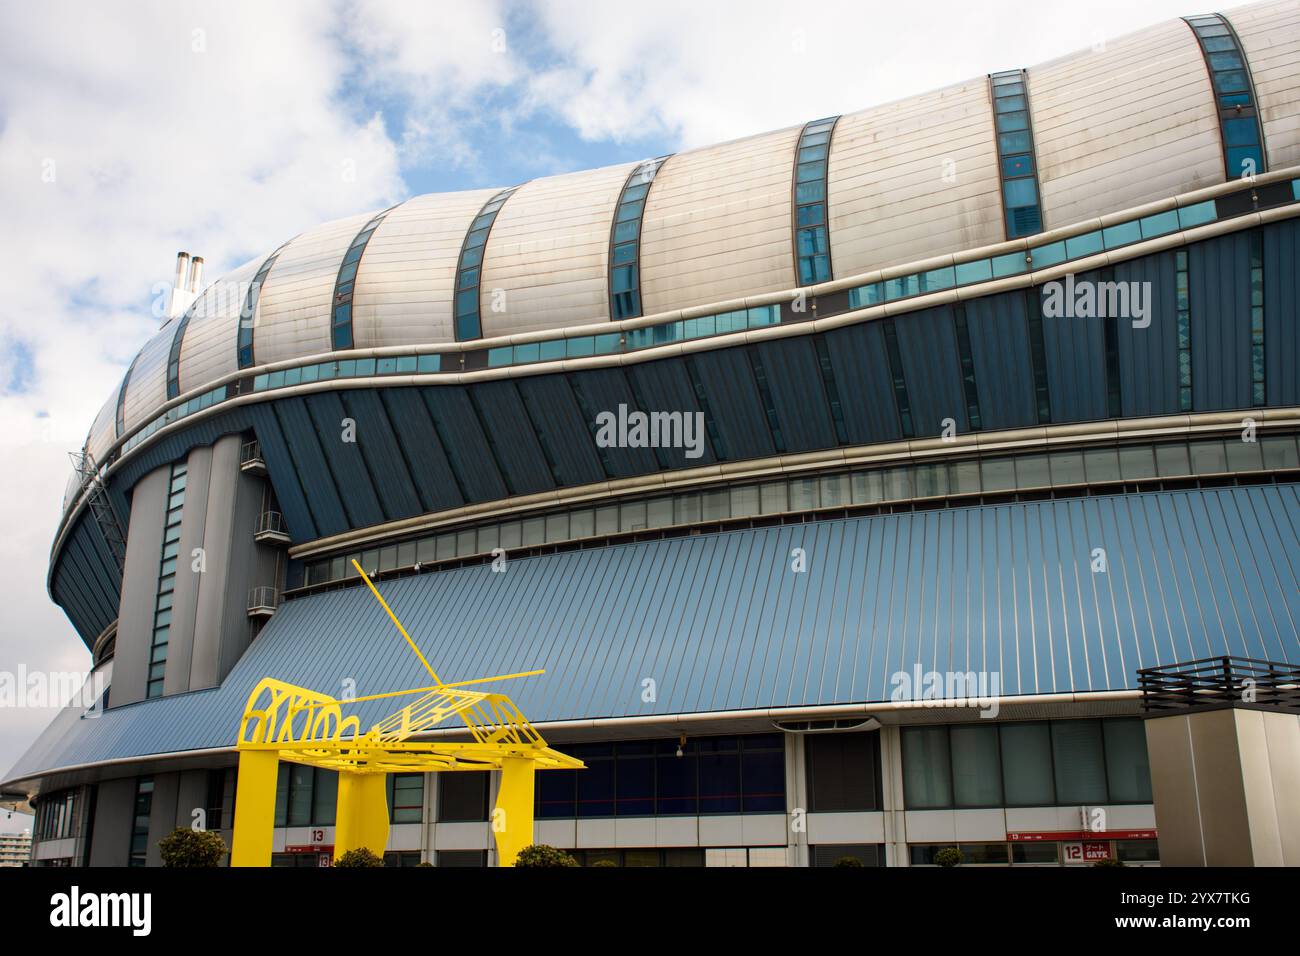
[(765, 395), (895, 359), (468, 323), (346, 282), (589, 416), (1017, 160), (623, 272), (719, 450), (244, 338), (832, 390), (119, 422), (810, 206), (973, 419), (1258, 383), (1240, 132), (1038, 354)]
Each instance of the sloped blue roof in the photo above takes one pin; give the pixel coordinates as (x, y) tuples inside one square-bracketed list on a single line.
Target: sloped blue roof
[(721, 622)]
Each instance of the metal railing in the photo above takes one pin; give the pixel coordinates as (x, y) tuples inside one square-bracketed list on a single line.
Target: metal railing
[(263, 600), (272, 523), (250, 452), (1221, 682)]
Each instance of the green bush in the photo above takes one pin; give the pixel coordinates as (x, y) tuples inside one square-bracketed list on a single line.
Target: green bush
[(359, 857), (948, 856), (1109, 863), (424, 863), (192, 848), (539, 854), (604, 863), (847, 861)]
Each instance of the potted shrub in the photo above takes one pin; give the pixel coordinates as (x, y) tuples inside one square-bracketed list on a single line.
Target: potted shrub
[(539, 854), (948, 856), (359, 857), (847, 861), (192, 848)]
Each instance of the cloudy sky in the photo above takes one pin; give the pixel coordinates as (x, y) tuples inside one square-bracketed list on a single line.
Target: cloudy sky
[(131, 130)]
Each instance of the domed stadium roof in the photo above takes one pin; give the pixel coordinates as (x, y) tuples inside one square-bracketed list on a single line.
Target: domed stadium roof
[(1106, 129)]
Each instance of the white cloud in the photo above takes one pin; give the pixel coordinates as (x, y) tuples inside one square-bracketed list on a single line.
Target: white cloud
[(224, 142)]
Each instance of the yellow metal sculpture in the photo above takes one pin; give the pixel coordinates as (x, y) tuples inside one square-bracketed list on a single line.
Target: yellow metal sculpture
[(285, 722)]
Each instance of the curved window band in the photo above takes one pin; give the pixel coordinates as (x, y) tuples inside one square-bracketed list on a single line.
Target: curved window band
[(467, 319), (119, 418), (810, 222), (1235, 102), (244, 340), (345, 284), (1017, 164), (625, 241)]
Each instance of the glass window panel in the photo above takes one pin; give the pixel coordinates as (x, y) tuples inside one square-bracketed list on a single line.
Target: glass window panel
[(1077, 758), (744, 501), (809, 192), (1010, 122), (1171, 460), (715, 504), (1208, 457), (1122, 234), (834, 491), (1244, 455), (632, 516), (1159, 224), (1136, 462), (998, 474), (1127, 768), (964, 477), (1017, 142), (1194, 215), (1027, 765), (1020, 192), (1013, 263), (803, 494), (868, 487), (1085, 245), (512, 534), (1021, 164), (976, 769), (1101, 464), (607, 520), (659, 512), (980, 270), (325, 796), (1048, 255), (927, 774), (582, 524), (772, 497), (534, 531), (719, 779), (1032, 471), (931, 480), (1279, 451), (446, 547)]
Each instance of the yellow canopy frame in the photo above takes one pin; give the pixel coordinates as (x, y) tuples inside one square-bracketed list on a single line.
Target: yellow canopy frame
[(285, 722)]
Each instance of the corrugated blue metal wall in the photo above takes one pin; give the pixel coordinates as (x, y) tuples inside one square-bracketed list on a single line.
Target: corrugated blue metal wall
[(721, 622)]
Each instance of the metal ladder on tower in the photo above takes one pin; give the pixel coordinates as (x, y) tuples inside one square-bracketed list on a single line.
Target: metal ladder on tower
[(99, 504)]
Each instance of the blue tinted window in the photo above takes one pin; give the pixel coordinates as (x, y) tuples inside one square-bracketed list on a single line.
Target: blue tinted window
[(1122, 234), (1085, 245), (977, 271), (1019, 192), (1159, 224), (1195, 215), (1011, 264), (810, 192), (1048, 255)]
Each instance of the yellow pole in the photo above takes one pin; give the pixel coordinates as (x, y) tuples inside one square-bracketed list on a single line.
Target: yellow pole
[(512, 820), (379, 597), (254, 808), (361, 819)]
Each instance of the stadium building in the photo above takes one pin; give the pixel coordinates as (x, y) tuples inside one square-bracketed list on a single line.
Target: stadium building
[(969, 408)]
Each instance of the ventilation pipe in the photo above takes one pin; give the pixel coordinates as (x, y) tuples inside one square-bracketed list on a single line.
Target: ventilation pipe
[(196, 275), (174, 307)]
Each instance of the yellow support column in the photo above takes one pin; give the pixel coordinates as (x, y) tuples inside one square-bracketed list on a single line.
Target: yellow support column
[(362, 817), (254, 808), (512, 821)]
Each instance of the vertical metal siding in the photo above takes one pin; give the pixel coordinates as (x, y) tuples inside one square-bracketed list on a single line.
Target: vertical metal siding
[(927, 344), (1219, 287), (795, 380), (999, 343), (857, 354), (1282, 312)]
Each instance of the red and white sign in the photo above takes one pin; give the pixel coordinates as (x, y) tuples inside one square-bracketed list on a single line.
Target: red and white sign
[(1042, 836), (1086, 852)]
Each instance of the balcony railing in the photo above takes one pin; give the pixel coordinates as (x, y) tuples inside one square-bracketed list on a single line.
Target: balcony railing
[(250, 457), (1221, 682), (262, 601), (271, 527)]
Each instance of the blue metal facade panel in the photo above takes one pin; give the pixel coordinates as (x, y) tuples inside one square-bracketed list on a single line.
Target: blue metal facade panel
[(338, 433), (1219, 287), (795, 379), (857, 354), (514, 443), (999, 344), (283, 473), (561, 429), (735, 404), (430, 471), (721, 622), (1148, 357), (665, 386), (1075, 351), (463, 440), (1282, 312), (309, 463), (604, 390), (382, 453), (931, 370)]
